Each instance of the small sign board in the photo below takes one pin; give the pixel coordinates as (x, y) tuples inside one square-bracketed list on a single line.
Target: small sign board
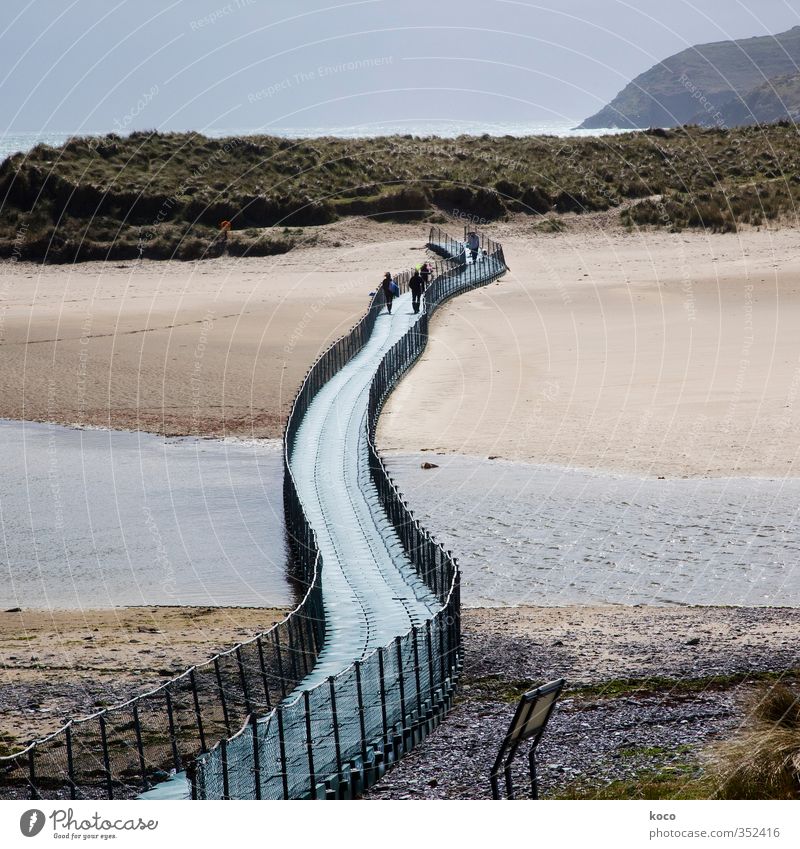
[(529, 722)]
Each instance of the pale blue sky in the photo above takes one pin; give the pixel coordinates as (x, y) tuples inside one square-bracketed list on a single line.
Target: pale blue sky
[(100, 65)]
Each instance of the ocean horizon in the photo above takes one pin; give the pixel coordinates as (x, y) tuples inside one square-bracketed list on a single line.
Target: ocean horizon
[(21, 142)]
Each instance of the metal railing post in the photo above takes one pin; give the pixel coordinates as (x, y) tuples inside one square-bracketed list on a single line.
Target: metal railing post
[(197, 712), (383, 695), (226, 780), (248, 708), (137, 726), (264, 677), (256, 758), (282, 751), (429, 645), (280, 663), (226, 718), (335, 719), (400, 678), (312, 779), (415, 637), (303, 655), (361, 717), (292, 653)]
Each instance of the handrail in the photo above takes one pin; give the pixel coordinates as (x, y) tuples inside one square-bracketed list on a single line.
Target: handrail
[(81, 759)]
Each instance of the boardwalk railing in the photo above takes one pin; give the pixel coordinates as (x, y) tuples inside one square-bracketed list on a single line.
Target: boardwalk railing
[(123, 750), (334, 739)]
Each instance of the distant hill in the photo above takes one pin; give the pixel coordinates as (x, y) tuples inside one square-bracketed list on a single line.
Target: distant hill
[(777, 99), (700, 80)]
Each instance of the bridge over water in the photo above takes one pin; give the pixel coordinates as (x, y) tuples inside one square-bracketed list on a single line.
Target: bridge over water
[(391, 653)]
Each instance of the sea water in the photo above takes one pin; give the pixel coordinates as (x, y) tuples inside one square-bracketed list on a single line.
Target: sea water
[(11, 143), (546, 535), (97, 518)]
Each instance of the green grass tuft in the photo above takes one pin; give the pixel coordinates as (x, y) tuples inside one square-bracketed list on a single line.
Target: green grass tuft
[(762, 761)]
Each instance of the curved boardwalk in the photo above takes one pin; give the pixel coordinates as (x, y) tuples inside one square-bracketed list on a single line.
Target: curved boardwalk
[(360, 671), (371, 591), (390, 657)]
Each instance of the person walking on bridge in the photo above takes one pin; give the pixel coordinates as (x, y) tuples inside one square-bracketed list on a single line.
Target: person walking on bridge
[(425, 273), (390, 290), (474, 244), (417, 286)]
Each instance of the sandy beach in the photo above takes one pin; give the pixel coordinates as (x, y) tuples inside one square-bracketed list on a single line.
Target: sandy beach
[(655, 353), (211, 348), (662, 354)]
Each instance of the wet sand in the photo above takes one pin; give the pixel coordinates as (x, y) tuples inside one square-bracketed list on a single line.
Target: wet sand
[(529, 533)]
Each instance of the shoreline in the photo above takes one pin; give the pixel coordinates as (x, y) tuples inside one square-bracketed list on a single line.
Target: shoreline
[(237, 439), (592, 470), (218, 348), (112, 655)]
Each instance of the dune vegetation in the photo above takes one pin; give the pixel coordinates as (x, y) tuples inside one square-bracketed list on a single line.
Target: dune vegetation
[(763, 760), (164, 195)]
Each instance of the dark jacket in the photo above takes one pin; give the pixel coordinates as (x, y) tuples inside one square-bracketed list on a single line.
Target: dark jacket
[(416, 284)]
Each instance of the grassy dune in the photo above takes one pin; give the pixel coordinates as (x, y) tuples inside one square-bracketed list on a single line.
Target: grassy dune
[(164, 195)]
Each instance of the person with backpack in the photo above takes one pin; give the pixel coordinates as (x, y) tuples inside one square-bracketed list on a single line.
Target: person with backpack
[(390, 290), (417, 286)]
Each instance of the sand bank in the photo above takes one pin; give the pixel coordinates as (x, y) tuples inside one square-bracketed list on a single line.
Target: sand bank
[(662, 354), (60, 664)]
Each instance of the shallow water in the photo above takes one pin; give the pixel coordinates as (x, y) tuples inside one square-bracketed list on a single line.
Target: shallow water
[(529, 534), (96, 518)]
